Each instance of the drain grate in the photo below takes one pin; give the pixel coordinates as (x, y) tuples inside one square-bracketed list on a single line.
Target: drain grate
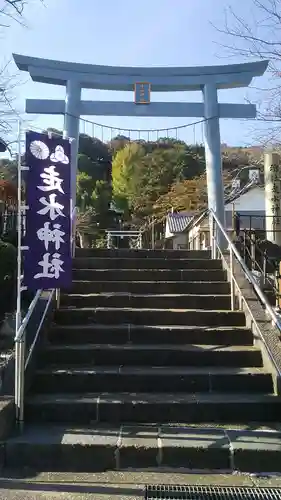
[(211, 493)]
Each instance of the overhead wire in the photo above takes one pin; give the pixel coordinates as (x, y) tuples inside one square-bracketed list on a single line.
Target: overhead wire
[(177, 127), (129, 130)]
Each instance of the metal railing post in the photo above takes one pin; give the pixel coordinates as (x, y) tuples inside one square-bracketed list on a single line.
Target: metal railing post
[(277, 288), (17, 381), (232, 288), (19, 372), (152, 235), (253, 250), (21, 380), (140, 240), (108, 242), (57, 298), (264, 269), (213, 236)]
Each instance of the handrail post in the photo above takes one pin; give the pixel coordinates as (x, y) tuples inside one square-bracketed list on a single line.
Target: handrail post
[(140, 240), (232, 288), (20, 380), (264, 269), (57, 298), (277, 287), (213, 236), (108, 239), (253, 249), (17, 380), (152, 235), (19, 277)]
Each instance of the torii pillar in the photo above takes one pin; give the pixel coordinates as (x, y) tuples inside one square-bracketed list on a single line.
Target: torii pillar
[(71, 128), (213, 152), (207, 79)]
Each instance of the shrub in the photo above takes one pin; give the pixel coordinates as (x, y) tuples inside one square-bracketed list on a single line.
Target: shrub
[(8, 273)]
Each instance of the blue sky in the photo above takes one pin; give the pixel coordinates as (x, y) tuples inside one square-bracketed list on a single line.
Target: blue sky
[(140, 33)]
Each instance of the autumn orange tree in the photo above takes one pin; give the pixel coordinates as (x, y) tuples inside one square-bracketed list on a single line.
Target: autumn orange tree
[(8, 192), (189, 195)]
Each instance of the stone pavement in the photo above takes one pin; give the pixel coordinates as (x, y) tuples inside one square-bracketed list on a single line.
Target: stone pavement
[(127, 485)]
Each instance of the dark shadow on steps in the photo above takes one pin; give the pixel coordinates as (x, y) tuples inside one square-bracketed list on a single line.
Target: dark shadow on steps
[(53, 487)]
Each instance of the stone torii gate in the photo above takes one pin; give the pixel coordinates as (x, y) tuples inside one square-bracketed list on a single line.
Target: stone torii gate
[(207, 79)]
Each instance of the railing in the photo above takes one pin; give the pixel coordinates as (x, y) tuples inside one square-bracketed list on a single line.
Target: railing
[(134, 238), (153, 233), (8, 221), (20, 353), (248, 234), (21, 359), (263, 258), (258, 240), (217, 234)]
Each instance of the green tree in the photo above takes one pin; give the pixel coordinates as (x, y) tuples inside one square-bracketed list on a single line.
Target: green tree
[(117, 143), (101, 198), (142, 172), (85, 186), (8, 170), (126, 167)]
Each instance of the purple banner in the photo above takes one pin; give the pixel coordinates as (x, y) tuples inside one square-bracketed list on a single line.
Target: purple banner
[(48, 262)]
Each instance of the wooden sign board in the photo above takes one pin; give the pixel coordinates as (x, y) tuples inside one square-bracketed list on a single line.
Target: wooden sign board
[(142, 93)]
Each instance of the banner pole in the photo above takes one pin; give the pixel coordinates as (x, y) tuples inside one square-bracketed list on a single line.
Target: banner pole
[(18, 350)]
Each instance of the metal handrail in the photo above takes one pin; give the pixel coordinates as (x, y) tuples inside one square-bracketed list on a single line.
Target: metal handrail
[(20, 337), (248, 273), (123, 233), (32, 305), (31, 349)]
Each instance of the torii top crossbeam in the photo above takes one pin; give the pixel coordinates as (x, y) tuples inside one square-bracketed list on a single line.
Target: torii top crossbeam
[(124, 78)]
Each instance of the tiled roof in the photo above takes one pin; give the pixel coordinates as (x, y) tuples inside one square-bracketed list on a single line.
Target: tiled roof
[(178, 221)]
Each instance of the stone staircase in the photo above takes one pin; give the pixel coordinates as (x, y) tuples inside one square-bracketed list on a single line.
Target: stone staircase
[(146, 366)]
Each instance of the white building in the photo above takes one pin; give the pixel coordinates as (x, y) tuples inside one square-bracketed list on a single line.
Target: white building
[(176, 223), (186, 231)]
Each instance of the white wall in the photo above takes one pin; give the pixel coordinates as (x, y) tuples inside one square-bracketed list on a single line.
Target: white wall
[(180, 241), (168, 234), (254, 200)]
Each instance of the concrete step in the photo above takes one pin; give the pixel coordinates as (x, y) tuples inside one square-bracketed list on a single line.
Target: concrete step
[(122, 334), (149, 275), (151, 379), (142, 253), (121, 408), (165, 301), (99, 448), (151, 355), (137, 316), (157, 287), (140, 263)]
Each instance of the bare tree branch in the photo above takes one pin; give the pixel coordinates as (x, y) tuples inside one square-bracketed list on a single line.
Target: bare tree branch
[(13, 10), (9, 10), (259, 37), (18, 5)]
